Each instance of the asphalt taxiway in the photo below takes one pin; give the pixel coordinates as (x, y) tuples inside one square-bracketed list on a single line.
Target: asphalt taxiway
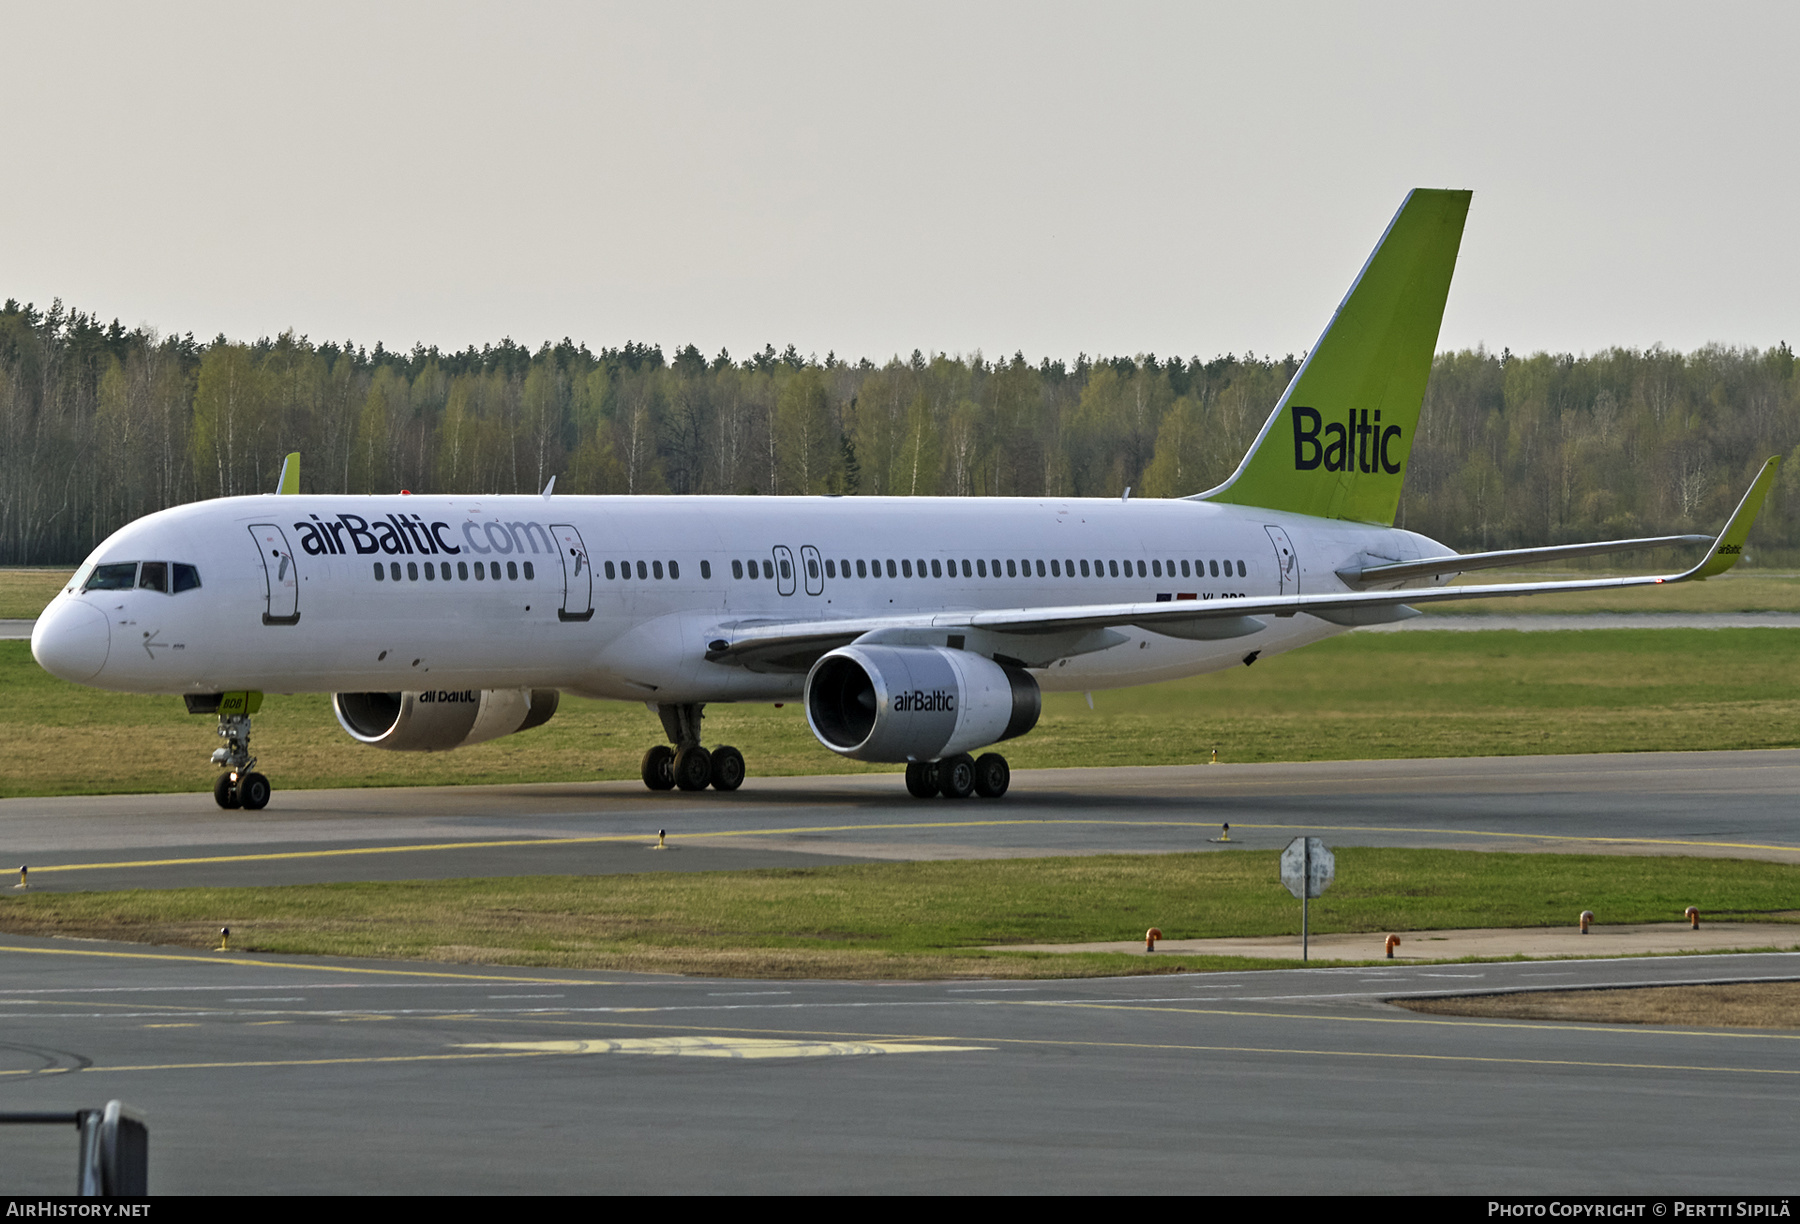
[(265, 1074), (1735, 804)]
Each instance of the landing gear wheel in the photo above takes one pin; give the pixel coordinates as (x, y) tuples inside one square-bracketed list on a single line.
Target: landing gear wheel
[(727, 768), (956, 776), (992, 775), (253, 792), (692, 769), (225, 792), (921, 780), (659, 768)]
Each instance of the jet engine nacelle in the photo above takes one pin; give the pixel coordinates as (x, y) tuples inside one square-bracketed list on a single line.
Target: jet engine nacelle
[(916, 703), (441, 719)]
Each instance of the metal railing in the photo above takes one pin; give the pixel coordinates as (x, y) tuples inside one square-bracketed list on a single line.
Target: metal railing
[(114, 1159)]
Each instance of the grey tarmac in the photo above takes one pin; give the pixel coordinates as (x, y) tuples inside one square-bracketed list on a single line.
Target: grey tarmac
[(265, 1074), (1732, 804)]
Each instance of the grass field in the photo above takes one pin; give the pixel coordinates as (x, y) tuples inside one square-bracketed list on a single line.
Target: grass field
[(24, 592), (1360, 696), (929, 919), (1736, 1005)]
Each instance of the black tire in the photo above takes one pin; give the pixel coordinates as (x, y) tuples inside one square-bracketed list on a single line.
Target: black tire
[(225, 792), (692, 769), (659, 768), (992, 775), (727, 768), (956, 776), (253, 792), (921, 780)]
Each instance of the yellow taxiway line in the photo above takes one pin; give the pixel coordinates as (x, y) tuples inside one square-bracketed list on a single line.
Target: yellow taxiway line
[(513, 843)]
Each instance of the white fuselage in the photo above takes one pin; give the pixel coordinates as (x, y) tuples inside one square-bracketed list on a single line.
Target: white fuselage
[(289, 600)]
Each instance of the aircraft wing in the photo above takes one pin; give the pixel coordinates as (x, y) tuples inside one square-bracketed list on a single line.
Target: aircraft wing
[(1077, 629)]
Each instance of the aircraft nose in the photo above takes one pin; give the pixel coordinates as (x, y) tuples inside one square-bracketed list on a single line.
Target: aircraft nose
[(71, 641)]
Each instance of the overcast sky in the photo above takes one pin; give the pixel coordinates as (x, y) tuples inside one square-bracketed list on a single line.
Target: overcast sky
[(870, 179)]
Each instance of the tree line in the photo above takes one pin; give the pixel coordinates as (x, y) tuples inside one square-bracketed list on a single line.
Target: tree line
[(100, 424)]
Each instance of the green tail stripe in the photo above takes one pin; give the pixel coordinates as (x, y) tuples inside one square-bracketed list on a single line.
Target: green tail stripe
[(1337, 443)]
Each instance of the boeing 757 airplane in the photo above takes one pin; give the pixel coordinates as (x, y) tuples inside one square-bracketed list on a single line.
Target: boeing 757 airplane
[(914, 630)]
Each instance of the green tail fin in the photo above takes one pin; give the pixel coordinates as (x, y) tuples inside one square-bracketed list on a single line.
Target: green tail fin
[(1336, 445), (289, 480)]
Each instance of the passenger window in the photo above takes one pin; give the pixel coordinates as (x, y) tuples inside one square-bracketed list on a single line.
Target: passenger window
[(1055, 568), (937, 569), (530, 573), (379, 572), (1012, 570), (674, 569), (412, 571), (862, 569), (394, 570), (1068, 567), (1156, 569), (812, 568), (706, 571), (1215, 569), (512, 571), (906, 567), (656, 570), (737, 569), (611, 573), (643, 571), (1084, 567), (112, 577), (980, 568), (1242, 572), (462, 571), (921, 567), (891, 571), (154, 576), (787, 568), (1141, 573), (830, 568), (187, 578), (480, 572), (1040, 566), (1184, 569)]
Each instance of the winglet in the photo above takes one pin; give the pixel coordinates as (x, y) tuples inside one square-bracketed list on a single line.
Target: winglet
[(549, 487), (1730, 545), (289, 481)]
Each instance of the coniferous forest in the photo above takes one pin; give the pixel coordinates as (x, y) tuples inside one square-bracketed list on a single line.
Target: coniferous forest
[(100, 424)]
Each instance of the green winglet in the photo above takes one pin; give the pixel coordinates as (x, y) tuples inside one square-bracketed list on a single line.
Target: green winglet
[(1730, 545), (289, 481)]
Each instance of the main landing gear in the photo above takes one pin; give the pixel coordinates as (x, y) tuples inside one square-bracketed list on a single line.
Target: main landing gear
[(687, 765), (238, 786), (960, 776)]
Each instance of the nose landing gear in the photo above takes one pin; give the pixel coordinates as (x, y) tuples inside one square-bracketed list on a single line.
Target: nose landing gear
[(239, 786)]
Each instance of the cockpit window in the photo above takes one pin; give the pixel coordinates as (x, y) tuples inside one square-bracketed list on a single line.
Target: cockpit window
[(112, 577), (145, 575)]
